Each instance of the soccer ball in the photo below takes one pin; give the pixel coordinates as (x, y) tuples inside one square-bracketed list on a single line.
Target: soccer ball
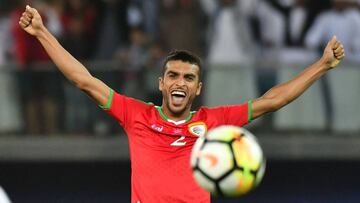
[(228, 161)]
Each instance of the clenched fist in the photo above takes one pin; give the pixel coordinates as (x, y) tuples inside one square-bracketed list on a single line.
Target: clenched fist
[(334, 52), (31, 21)]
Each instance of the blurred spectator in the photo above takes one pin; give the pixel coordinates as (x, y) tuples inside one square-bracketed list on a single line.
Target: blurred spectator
[(5, 36), (343, 20), (129, 80), (113, 28), (80, 20), (280, 25), (153, 71), (269, 28), (272, 24), (289, 18), (270, 39), (230, 52), (151, 13), (135, 17), (9, 105), (292, 19), (40, 86), (134, 58), (297, 24), (180, 26), (230, 39), (145, 14), (112, 33)]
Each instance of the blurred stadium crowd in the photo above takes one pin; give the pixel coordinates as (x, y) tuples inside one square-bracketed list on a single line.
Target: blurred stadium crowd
[(247, 45)]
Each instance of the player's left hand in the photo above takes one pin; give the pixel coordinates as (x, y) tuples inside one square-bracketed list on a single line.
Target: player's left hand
[(334, 52)]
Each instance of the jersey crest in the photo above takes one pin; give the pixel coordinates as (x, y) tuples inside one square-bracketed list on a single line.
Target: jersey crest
[(198, 128)]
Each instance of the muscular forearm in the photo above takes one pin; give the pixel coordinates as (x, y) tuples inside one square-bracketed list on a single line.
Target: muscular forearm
[(285, 93), (66, 63), (288, 91)]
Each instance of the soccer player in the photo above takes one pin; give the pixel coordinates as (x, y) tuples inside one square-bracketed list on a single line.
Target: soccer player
[(161, 137)]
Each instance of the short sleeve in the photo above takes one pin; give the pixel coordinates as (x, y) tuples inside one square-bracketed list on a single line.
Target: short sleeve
[(122, 108), (238, 115)]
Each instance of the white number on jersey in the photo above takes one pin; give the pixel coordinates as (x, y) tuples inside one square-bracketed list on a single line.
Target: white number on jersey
[(179, 142)]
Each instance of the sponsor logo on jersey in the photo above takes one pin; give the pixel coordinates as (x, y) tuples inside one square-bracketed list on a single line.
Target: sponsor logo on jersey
[(157, 128), (197, 128)]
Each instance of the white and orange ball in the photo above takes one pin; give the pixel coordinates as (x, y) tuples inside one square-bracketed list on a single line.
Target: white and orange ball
[(228, 161)]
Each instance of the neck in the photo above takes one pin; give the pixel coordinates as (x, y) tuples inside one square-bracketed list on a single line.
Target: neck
[(175, 116)]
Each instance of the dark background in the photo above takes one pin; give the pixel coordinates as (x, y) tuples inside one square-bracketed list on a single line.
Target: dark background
[(301, 181)]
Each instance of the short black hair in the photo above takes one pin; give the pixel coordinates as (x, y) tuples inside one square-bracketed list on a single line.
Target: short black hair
[(185, 56)]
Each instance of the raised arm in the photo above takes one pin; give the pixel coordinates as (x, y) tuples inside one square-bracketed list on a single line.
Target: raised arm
[(72, 69), (285, 93)]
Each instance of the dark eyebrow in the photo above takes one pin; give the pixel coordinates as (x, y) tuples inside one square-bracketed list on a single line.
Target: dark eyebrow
[(172, 72), (190, 75)]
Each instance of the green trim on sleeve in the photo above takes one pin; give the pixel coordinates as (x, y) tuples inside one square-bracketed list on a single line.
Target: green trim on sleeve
[(249, 111), (108, 105)]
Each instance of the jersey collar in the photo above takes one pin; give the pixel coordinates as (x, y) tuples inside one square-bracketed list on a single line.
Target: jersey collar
[(163, 116)]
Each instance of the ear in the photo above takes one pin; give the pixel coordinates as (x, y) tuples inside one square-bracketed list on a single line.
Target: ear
[(198, 91), (161, 83)]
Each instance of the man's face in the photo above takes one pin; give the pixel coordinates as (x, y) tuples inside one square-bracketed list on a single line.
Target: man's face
[(179, 85)]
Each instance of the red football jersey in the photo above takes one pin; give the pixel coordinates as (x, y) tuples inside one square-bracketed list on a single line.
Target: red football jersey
[(160, 149)]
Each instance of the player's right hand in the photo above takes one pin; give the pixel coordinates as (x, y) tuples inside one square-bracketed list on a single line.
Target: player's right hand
[(31, 21)]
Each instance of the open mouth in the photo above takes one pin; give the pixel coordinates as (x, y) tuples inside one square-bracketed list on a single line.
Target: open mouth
[(178, 97)]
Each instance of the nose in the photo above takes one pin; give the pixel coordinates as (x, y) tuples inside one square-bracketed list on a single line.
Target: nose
[(180, 81)]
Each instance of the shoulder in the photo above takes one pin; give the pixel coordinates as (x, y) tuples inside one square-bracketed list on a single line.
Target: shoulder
[(204, 112), (232, 114), (223, 108), (205, 109), (221, 111), (119, 96), (119, 101)]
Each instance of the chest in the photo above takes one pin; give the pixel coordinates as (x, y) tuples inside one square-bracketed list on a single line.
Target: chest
[(160, 135), (163, 137)]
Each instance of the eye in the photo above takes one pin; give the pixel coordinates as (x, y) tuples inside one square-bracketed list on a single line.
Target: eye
[(190, 78), (172, 75)]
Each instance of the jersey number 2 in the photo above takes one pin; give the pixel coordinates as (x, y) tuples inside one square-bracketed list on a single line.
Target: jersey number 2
[(179, 142)]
